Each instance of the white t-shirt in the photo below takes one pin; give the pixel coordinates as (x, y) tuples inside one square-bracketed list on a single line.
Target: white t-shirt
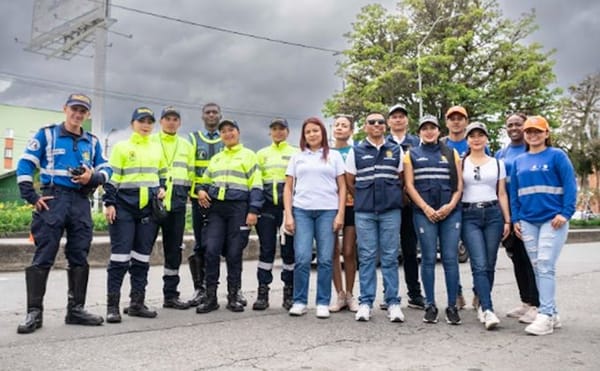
[(315, 180), (480, 181)]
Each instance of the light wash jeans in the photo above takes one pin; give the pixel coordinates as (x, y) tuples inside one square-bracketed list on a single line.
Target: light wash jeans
[(448, 233), (481, 233), (377, 235), (543, 244), (317, 225)]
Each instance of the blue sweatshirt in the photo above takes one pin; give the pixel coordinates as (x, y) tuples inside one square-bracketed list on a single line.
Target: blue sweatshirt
[(542, 185), (508, 154)]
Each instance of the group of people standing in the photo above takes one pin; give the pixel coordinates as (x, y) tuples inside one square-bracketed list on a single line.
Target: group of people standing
[(383, 194)]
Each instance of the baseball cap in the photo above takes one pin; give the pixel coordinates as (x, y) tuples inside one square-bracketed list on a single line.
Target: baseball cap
[(477, 126), (170, 111), (536, 122), (428, 119), (142, 112), (397, 107), (457, 109), (228, 122), (78, 99), (279, 121)]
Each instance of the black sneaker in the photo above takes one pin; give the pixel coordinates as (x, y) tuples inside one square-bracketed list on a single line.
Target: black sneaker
[(416, 303), (431, 314), (452, 316), (383, 306)]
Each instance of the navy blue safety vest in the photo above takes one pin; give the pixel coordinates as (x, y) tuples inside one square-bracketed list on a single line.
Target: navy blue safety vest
[(432, 175), (378, 187)]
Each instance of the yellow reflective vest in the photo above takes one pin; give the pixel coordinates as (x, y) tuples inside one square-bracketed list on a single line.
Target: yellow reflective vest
[(272, 162), (137, 168), (204, 148), (233, 175), (178, 155)]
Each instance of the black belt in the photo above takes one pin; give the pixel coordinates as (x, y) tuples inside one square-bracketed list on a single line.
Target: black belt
[(58, 188), (479, 205)]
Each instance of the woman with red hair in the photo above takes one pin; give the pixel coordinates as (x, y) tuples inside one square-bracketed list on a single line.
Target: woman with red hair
[(314, 202)]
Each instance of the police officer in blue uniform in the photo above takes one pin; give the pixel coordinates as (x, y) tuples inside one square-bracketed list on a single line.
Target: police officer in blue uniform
[(71, 166)]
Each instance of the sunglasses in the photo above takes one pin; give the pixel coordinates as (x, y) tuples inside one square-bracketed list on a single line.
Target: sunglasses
[(477, 171), (376, 122)]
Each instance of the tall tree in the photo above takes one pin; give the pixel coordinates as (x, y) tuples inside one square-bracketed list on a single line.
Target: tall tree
[(469, 55), (580, 130)]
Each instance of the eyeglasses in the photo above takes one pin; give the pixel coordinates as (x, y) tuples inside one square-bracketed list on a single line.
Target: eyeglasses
[(477, 171), (376, 122)]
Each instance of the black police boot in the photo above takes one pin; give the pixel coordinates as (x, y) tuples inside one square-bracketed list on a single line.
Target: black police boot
[(175, 303), (288, 297), (76, 315), (112, 308), (210, 302), (262, 299), (197, 271), (233, 303), (240, 298), (35, 279), (137, 308)]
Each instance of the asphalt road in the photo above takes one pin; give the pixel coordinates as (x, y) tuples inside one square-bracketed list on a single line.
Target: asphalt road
[(184, 340)]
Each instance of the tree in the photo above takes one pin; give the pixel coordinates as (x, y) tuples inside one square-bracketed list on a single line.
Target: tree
[(470, 55), (580, 130)]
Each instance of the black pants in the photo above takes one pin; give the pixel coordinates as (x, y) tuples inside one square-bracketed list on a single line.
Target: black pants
[(226, 231), (408, 243), (172, 239), (268, 225), (515, 249)]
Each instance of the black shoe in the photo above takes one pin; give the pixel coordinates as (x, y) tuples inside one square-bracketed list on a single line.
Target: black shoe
[(198, 298), (210, 303), (78, 316), (452, 316), (416, 303), (431, 314), (32, 322), (262, 299), (137, 308), (240, 298), (288, 297), (383, 306), (112, 308), (176, 303), (196, 264)]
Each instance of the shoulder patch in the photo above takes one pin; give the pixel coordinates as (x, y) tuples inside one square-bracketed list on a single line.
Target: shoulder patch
[(33, 144)]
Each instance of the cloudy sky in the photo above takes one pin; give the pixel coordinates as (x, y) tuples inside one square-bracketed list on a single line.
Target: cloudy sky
[(254, 80)]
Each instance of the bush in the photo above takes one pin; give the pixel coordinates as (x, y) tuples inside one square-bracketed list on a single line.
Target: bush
[(590, 223), (14, 217)]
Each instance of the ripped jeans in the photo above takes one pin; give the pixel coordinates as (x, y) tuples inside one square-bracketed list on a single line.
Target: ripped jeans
[(543, 245)]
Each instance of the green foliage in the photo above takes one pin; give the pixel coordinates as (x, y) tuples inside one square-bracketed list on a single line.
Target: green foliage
[(591, 223), (469, 55), (14, 217)]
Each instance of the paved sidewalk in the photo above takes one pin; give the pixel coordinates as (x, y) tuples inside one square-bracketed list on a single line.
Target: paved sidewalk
[(184, 340)]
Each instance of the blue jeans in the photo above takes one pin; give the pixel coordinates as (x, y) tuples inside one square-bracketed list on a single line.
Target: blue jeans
[(543, 244), (448, 233), (377, 234), (317, 225), (481, 232)]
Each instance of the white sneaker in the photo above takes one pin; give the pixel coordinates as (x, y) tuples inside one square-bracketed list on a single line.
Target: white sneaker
[(490, 319), (541, 326), (480, 316), (352, 302), (556, 323), (395, 313), (363, 314), (298, 309), (518, 311), (322, 311), (340, 302), (529, 316)]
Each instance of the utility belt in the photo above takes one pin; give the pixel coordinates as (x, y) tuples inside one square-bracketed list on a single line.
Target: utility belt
[(479, 205), (54, 188)]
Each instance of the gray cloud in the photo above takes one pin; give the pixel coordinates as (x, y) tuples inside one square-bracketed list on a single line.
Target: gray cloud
[(253, 80)]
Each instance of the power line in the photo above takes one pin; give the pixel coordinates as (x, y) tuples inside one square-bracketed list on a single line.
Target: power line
[(225, 30), (62, 86)]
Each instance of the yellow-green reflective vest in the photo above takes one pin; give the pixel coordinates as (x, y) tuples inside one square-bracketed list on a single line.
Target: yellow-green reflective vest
[(205, 148), (272, 162)]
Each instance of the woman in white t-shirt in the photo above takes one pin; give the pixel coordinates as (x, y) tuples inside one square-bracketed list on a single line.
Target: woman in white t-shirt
[(314, 200), (485, 216)]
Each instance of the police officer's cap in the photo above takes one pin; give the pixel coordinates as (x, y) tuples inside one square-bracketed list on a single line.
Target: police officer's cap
[(228, 122), (141, 113)]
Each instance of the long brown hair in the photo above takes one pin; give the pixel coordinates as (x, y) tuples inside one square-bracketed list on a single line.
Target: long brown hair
[(324, 143)]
